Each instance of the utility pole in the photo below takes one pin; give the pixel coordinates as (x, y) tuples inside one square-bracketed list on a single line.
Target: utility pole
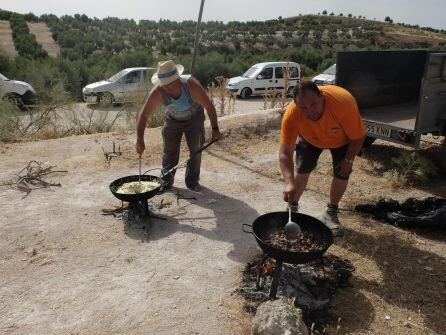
[(197, 37)]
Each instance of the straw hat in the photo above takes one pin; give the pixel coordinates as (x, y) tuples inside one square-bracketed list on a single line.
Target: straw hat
[(167, 72)]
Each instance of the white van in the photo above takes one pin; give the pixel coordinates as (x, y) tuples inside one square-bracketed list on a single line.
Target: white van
[(328, 77), (264, 77), (120, 87), (18, 93)]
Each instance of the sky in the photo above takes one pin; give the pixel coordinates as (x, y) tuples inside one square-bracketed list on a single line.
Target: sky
[(426, 13)]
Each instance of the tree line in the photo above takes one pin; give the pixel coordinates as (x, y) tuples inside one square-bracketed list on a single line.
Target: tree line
[(94, 49)]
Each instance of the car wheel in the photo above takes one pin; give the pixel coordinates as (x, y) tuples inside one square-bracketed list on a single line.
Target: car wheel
[(368, 141), (443, 155), (245, 93), (106, 99), (15, 100), (290, 91)]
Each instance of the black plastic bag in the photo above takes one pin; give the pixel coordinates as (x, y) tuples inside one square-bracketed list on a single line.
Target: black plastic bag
[(428, 212)]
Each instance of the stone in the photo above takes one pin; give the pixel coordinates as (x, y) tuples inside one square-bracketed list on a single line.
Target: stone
[(407, 324), (280, 316)]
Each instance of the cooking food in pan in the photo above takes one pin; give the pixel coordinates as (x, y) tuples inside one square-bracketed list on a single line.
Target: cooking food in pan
[(136, 187)]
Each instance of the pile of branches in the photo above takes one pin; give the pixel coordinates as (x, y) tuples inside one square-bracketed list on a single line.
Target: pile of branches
[(32, 177)]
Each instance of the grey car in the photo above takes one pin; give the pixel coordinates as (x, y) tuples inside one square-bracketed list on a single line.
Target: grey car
[(18, 93), (124, 86)]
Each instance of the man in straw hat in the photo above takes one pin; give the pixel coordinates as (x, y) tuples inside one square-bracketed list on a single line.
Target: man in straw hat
[(184, 99)]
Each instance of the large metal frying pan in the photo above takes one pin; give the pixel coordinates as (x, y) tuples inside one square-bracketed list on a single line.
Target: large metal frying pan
[(149, 194), (268, 223), (135, 197)]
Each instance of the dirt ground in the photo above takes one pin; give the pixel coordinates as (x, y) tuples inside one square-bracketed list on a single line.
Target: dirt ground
[(6, 42), (67, 269)]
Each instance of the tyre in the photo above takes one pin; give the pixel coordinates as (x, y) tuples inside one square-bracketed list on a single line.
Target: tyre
[(245, 93), (15, 100), (106, 99), (368, 142), (443, 155), (290, 91)]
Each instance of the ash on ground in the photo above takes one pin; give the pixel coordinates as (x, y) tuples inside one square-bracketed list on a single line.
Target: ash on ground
[(306, 283), (136, 213)]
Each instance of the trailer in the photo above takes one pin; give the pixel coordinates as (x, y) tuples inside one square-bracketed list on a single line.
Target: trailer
[(401, 95)]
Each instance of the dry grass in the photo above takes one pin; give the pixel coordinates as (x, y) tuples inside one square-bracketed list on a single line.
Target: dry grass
[(60, 117), (278, 99), (60, 120), (44, 37), (407, 34), (399, 286), (224, 101)]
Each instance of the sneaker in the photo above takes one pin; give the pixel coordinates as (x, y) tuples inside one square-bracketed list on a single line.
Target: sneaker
[(195, 188), (330, 219)]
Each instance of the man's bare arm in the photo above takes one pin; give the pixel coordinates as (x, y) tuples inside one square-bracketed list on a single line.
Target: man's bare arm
[(345, 167), (202, 98), (353, 148), (286, 154)]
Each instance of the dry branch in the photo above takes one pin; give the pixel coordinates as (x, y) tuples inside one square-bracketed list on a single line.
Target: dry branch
[(32, 176)]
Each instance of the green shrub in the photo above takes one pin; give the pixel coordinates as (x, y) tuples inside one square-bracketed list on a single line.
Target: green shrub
[(411, 167), (8, 122)]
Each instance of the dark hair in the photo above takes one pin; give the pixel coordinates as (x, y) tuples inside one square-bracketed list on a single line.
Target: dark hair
[(301, 89)]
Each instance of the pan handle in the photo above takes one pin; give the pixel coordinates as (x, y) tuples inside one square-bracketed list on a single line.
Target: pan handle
[(202, 148), (245, 231), (190, 156)]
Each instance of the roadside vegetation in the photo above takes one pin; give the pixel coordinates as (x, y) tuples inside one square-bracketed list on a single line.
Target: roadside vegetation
[(93, 49)]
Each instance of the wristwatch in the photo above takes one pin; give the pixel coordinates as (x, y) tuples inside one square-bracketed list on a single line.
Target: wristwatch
[(349, 161)]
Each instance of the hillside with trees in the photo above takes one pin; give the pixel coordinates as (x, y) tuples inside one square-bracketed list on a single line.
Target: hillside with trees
[(93, 49)]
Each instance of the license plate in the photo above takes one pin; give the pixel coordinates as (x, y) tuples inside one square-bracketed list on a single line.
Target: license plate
[(92, 99), (376, 129)]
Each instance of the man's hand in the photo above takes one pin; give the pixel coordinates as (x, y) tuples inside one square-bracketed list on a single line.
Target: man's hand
[(344, 168), (289, 193), (216, 135), (140, 146)]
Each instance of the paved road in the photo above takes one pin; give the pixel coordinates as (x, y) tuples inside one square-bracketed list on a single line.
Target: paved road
[(96, 118), (240, 106), (128, 112)]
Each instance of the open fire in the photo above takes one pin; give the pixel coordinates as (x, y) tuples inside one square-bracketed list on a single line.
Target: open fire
[(311, 285)]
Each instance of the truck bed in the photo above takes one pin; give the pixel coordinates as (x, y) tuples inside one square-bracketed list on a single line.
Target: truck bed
[(399, 115)]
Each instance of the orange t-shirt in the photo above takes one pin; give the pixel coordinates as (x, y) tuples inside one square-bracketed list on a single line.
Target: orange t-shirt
[(339, 124)]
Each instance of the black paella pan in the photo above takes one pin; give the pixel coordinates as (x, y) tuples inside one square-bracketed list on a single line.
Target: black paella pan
[(269, 223), (139, 196), (149, 194)]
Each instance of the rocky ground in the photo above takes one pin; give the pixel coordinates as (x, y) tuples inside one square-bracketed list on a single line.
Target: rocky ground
[(66, 268)]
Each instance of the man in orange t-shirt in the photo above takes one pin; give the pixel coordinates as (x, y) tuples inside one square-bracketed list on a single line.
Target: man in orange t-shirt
[(325, 117)]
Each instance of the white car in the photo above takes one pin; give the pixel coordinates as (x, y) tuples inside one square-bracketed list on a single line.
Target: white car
[(264, 78), (328, 77), (16, 92), (120, 87)]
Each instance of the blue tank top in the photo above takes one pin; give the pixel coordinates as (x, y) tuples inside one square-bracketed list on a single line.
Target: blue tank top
[(183, 108)]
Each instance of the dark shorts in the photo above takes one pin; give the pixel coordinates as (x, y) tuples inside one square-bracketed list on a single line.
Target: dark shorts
[(307, 156)]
